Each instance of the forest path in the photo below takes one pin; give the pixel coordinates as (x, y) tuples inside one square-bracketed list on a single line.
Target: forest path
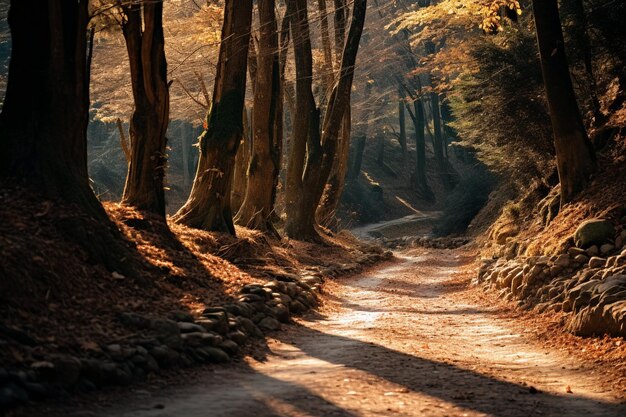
[(403, 339)]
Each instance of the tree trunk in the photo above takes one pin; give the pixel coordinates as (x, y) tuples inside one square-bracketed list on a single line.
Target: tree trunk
[(242, 161), (355, 168), (438, 140), (328, 74), (208, 206), (301, 207), (340, 28), (185, 137), (258, 205), (143, 32), (46, 108), (420, 146), (43, 124), (580, 32), (574, 154), (337, 178), (402, 122)]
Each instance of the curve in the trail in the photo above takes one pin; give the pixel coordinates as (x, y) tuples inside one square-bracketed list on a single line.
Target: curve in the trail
[(394, 341)]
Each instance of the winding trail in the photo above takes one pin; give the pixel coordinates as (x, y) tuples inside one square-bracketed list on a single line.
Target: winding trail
[(399, 340)]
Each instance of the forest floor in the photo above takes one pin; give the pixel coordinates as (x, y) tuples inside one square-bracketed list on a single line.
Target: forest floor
[(409, 337)]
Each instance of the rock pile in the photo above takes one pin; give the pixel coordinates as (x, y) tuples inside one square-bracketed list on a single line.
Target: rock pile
[(588, 281), (179, 340), (424, 242)]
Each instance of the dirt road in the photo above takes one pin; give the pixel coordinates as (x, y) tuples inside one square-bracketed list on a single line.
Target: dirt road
[(397, 341)]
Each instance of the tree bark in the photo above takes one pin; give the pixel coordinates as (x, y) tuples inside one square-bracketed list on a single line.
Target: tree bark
[(44, 118), (420, 145), (301, 222), (438, 140), (242, 161), (258, 205), (355, 168), (145, 43), (208, 206), (43, 124), (402, 123), (574, 153)]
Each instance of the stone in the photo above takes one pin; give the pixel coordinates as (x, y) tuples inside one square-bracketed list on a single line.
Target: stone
[(145, 361), (229, 347), (281, 312), (213, 354), (581, 259), (203, 338), (168, 332), (249, 327), (134, 320), (181, 316), (596, 262), (606, 249), (592, 251), (269, 323), (562, 260), (612, 283), (238, 337), (619, 242), (251, 298), (574, 251), (165, 356), (213, 325), (297, 307), (594, 231), (11, 395), (186, 327), (68, 370)]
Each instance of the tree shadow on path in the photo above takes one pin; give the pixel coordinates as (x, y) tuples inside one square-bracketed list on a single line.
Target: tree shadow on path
[(449, 383)]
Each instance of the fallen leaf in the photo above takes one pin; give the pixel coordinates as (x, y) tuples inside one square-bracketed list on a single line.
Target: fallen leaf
[(568, 389)]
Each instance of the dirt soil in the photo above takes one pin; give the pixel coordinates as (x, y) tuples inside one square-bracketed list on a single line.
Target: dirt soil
[(59, 301), (409, 338)]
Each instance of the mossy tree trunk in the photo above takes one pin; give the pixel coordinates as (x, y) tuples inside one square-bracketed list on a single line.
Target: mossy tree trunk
[(208, 206), (258, 206), (145, 43), (574, 154)]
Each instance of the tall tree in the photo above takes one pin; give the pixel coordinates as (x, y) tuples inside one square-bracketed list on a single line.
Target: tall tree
[(337, 176), (574, 154), (43, 124), (145, 43), (320, 148), (208, 206), (258, 205), (300, 222)]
